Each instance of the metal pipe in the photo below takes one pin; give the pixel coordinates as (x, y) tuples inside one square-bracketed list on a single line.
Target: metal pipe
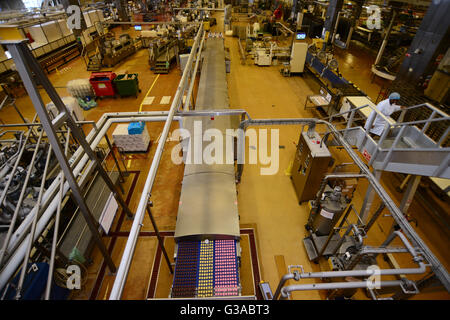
[(155, 22), (408, 245), (21, 197), (427, 125), (191, 87), (56, 227), (33, 227), (363, 273), (443, 137), (214, 113), (335, 285), (283, 280), (426, 121), (199, 9), (18, 243), (398, 216), (124, 266), (352, 273), (385, 40), (38, 124)]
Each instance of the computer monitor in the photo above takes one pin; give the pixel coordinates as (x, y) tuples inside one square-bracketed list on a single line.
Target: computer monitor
[(138, 28), (300, 35)]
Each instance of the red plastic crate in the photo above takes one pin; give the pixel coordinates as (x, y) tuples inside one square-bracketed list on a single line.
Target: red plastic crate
[(102, 83)]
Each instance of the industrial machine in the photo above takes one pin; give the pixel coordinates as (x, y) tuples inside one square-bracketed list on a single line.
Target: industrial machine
[(325, 71), (115, 50), (311, 162), (262, 57), (11, 188), (298, 53), (321, 222), (332, 205)]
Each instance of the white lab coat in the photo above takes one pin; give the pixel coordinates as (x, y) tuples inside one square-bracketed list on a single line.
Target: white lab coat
[(378, 125)]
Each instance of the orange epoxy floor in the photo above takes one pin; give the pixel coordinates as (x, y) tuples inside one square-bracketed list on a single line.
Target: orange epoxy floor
[(266, 202)]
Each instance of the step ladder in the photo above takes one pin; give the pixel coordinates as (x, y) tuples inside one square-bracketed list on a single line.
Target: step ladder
[(420, 147), (95, 63)]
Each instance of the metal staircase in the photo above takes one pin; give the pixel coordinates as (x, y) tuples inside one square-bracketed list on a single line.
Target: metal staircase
[(161, 66), (95, 63), (420, 147)]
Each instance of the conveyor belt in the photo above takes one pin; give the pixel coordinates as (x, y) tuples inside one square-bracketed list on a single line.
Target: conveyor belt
[(208, 202), (207, 228)]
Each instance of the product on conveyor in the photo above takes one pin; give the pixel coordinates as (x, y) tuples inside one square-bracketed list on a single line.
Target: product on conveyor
[(206, 269)]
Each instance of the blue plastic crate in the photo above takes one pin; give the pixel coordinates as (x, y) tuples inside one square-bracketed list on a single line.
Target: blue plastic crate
[(136, 127)]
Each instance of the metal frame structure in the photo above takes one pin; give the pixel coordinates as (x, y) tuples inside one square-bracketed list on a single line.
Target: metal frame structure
[(83, 168), (404, 283), (26, 66), (438, 269), (105, 122), (435, 145), (18, 247), (125, 263)]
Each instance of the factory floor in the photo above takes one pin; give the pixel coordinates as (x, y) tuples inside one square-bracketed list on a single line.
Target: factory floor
[(267, 204)]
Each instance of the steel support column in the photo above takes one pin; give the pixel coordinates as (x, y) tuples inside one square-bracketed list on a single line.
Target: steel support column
[(368, 199), (430, 40), (160, 240), (333, 9)]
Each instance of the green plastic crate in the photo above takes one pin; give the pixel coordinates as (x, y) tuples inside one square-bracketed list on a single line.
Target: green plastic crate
[(127, 84)]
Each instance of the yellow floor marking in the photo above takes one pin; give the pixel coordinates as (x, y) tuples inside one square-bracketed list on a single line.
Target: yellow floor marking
[(154, 81), (106, 292), (281, 265)]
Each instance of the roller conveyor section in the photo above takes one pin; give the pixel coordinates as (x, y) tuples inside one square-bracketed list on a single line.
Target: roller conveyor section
[(207, 231)]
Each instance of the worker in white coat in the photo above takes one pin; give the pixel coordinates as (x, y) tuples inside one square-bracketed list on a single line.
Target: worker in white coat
[(386, 107)]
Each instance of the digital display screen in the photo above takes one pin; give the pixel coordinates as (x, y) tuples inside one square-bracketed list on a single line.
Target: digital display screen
[(138, 28), (300, 36)]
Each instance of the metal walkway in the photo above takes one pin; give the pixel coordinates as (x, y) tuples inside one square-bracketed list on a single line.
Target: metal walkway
[(418, 147)]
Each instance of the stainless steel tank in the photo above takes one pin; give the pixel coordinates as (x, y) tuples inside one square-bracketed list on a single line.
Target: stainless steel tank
[(331, 207)]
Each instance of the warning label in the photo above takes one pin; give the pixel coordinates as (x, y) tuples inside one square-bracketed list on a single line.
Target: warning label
[(326, 214)]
